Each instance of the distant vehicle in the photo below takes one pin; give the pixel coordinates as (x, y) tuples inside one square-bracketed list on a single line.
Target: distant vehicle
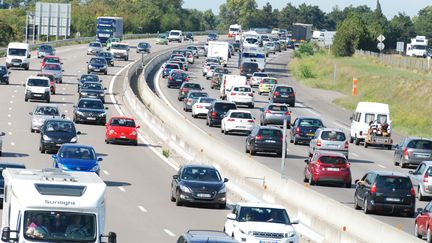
[(4, 74), (203, 236), (217, 76), (256, 78), (199, 183), (217, 110), (94, 48), (275, 31), (162, 40), (93, 90), (301, 33), (192, 97), (90, 111), (97, 64), (201, 106), (423, 223), (110, 41), (264, 139), (45, 50), (211, 70), (329, 139), (266, 85), (194, 51), (175, 35), (282, 93), (143, 47), (108, 57), (50, 59), (77, 157), (275, 114), (271, 47), (84, 78), (168, 68), (267, 222), (327, 167), (41, 113), (303, 129), (202, 51), (219, 49), (186, 87), (417, 47), (234, 30), (121, 129), (109, 27), (212, 36), (239, 121), (241, 94), (54, 69), (52, 79), (55, 132), (188, 36), (176, 78), (18, 55), (4, 166), (258, 57), (120, 51), (228, 81), (412, 151), (422, 178), (37, 88), (385, 191)]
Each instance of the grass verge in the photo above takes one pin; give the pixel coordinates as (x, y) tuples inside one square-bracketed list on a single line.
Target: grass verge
[(408, 92)]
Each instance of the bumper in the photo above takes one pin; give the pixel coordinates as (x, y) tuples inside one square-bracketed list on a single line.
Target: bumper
[(53, 146), (253, 239), (37, 96), (4, 80), (36, 126), (17, 64), (240, 101), (125, 140), (119, 55), (286, 100), (303, 139), (277, 120), (92, 52), (267, 147), (344, 152), (92, 96), (243, 128), (97, 70), (219, 198), (392, 208), (174, 84), (87, 119), (332, 177), (199, 111)]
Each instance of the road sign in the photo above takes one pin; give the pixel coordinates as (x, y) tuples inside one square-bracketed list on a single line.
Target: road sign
[(400, 46), (380, 46), (381, 38)]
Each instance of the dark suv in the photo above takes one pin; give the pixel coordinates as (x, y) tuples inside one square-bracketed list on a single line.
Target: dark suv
[(217, 110), (204, 236), (264, 139), (248, 68), (385, 190), (281, 93)]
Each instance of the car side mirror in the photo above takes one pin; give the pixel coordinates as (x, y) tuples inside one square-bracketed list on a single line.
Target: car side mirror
[(99, 159), (306, 161), (74, 106), (61, 63), (105, 88), (62, 70), (9, 72), (396, 146), (86, 62), (175, 177), (231, 216), (226, 179), (419, 211), (54, 156), (29, 55), (79, 133), (295, 221)]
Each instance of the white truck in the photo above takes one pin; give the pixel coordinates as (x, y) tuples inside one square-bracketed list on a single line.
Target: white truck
[(417, 47), (234, 30), (228, 81), (219, 49), (53, 206)]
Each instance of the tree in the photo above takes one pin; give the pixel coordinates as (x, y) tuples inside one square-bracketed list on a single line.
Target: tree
[(333, 18), (423, 22), (309, 14), (401, 29), (237, 11), (6, 33), (209, 20), (287, 16)]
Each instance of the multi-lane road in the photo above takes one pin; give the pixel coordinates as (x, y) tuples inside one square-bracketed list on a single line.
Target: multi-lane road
[(311, 103), (138, 205)]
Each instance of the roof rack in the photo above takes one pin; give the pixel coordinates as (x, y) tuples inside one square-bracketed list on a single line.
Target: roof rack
[(55, 174)]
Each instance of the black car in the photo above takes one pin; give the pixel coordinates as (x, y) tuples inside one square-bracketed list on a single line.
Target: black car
[(93, 90), (236, 45), (108, 57), (303, 129), (45, 50), (3, 166), (90, 111), (143, 47), (98, 65), (185, 87), (248, 68), (385, 191), (265, 139), (204, 236), (188, 36), (282, 94), (4, 74), (176, 78), (212, 36), (55, 132), (217, 110), (85, 78), (198, 183)]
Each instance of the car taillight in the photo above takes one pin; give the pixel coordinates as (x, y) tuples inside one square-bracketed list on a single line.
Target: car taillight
[(250, 121), (297, 130), (426, 178), (346, 145), (250, 94), (199, 106), (276, 93), (170, 78), (373, 188), (291, 94), (288, 113), (268, 112), (213, 114), (406, 153), (233, 93), (318, 143), (413, 193), (258, 137), (189, 100), (187, 79), (231, 119), (184, 90), (224, 82)]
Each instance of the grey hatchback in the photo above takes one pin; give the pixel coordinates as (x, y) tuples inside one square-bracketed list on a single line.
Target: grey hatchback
[(412, 151), (275, 114), (329, 139), (191, 98)]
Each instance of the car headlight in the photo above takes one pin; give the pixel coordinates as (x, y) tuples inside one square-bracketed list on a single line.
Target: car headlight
[(80, 113), (95, 168), (84, 93), (102, 94), (73, 140), (102, 114), (246, 232), (45, 137), (185, 189), (290, 234), (223, 189)]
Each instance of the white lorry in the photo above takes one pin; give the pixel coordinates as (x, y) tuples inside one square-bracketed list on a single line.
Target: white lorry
[(219, 49), (18, 55), (417, 47), (228, 81), (53, 206)]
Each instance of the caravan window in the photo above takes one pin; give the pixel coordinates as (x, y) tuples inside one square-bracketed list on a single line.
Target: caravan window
[(382, 119), (369, 118)]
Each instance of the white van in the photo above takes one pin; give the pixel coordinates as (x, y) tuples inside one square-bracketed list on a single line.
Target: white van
[(228, 81), (175, 35), (37, 88), (365, 113), (18, 55)]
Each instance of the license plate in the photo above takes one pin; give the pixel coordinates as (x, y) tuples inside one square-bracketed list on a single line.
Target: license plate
[(311, 134), (269, 141), (97, 69), (16, 64), (421, 155), (333, 169), (332, 146), (203, 195), (91, 118), (240, 126), (284, 96), (178, 80), (59, 145), (267, 241), (391, 199), (37, 95), (122, 136)]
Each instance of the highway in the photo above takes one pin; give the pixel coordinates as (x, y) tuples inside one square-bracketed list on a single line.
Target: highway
[(312, 103), (138, 180)]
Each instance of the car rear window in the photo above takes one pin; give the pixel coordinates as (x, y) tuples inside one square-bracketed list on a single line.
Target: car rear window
[(242, 89), (333, 136), (172, 66), (284, 89), (250, 65), (420, 144), (270, 133), (278, 108), (192, 86), (269, 81), (241, 115), (395, 182), (260, 75), (179, 75), (225, 106), (310, 123), (333, 160), (197, 94)]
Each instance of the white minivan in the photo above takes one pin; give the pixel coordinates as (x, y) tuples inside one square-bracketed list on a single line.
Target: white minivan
[(37, 88), (18, 55), (228, 81), (365, 113)]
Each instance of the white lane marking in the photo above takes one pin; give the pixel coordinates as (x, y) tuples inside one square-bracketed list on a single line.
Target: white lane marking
[(9, 115), (382, 166), (66, 111), (341, 125), (168, 232), (64, 88), (121, 189), (142, 209), (106, 172), (13, 96), (63, 98), (10, 133), (12, 143), (355, 155), (11, 101), (64, 104), (10, 108), (15, 91), (10, 123)]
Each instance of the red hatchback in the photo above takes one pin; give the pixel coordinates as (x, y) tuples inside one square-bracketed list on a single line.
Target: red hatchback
[(423, 223), (328, 167), (121, 130), (50, 59)]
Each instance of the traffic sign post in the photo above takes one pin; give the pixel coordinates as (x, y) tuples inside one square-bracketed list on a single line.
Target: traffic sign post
[(381, 45)]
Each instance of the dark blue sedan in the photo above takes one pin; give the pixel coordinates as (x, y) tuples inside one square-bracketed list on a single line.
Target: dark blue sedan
[(77, 157)]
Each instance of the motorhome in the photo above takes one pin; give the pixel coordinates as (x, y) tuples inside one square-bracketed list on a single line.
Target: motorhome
[(417, 47), (53, 206), (234, 30), (18, 55), (249, 55)]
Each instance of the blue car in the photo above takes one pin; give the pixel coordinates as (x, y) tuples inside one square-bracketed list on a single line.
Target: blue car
[(168, 68), (77, 157)]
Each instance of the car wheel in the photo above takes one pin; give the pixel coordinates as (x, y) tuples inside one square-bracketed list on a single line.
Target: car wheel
[(210, 124), (295, 142), (172, 199), (178, 202), (311, 181), (416, 233), (32, 130), (403, 165), (279, 154), (25, 99), (356, 141), (421, 197), (193, 115), (356, 206), (105, 73), (428, 236), (365, 144), (351, 140), (106, 141), (292, 104), (42, 149), (251, 106), (48, 101), (389, 147), (411, 214), (366, 209)]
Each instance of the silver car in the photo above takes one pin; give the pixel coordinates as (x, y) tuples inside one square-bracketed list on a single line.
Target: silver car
[(275, 114), (191, 99), (41, 113), (422, 178), (55, 69), (271, 47), (94, 48), (329, 139), (412, 151)]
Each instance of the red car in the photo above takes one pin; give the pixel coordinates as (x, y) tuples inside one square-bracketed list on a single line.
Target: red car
[(327, 167), (121, 130), (50, 59), (423, 222), (52, 81)]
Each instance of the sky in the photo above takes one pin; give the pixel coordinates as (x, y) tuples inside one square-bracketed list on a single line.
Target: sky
[(389, 7)]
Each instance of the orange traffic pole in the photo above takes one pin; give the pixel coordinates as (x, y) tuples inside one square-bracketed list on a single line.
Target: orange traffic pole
[(354, 87)]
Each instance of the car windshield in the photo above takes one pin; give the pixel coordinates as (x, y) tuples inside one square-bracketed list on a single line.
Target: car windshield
[(96, 86), (225, 106), (260, 75), (242, 89), (45, 48), (206, 100), (192, 86), (172, 66), (95, 44), (97, 61), (241, 115), (179, 75), (200, 174), (143, 45), (194, 95), (332, 160), (251, 40), (284, 89), (310, 123), (269, 81), (333, 136), (17, 52), (262, 214), (90, 78), (76, 152), (393, 182), (91, 104), (174, 33), (122, 122), (38, 82), (420, 144), (119, 46), (53, 67), (278, 108), (52, 59), (47, 111), (192, 48), (115, 40), (60, 126), (59, 226)]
